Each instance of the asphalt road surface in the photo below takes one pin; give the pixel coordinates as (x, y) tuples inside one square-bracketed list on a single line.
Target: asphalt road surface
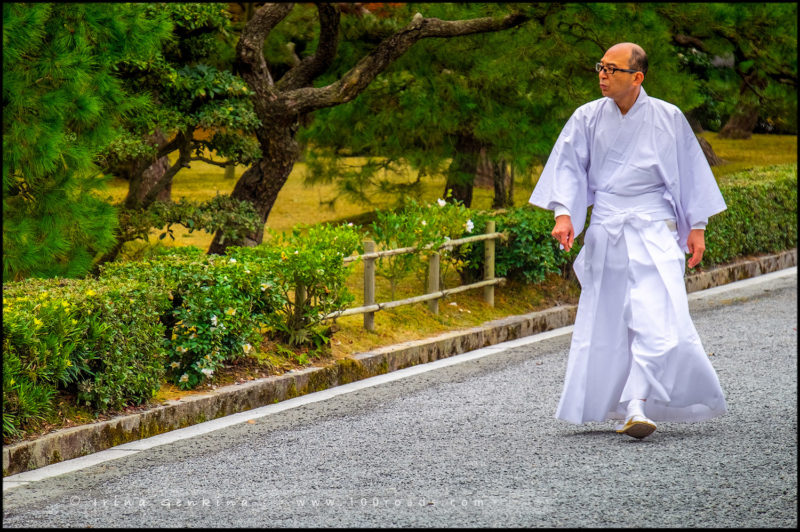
[(474, 444)]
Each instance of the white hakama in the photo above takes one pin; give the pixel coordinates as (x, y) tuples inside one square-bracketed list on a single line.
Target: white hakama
[(633, 336)]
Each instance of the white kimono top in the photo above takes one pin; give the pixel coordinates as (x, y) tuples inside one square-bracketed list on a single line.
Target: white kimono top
[(650, 148)]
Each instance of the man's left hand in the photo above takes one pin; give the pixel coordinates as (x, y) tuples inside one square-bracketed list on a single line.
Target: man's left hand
[(697, 245)]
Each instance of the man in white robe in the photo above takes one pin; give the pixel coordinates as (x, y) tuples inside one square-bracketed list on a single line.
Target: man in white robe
[(635, 354)]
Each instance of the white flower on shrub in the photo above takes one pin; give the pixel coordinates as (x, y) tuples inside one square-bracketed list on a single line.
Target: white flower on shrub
[(247, 348), (264, 286), (184, 378), (214, 321), (207, 372), (441, 202), (470, 226), (424, 222), (181, 349), (232, 260), (175, 365)]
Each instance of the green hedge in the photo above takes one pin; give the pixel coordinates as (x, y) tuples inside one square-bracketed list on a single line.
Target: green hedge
[(530, 252), (99, 339), (761, 217), (217, 307), (179, 314)]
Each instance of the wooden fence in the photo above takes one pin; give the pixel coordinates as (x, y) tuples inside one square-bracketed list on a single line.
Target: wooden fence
[(434, 294)]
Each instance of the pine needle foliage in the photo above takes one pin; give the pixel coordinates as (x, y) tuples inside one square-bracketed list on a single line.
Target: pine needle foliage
[(61, 104)]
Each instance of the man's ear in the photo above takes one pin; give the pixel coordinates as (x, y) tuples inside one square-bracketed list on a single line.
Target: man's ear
[(638, 78)]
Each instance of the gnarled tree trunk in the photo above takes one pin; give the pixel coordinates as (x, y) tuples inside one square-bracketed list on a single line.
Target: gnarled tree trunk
[(484, 174), (149, 181), (497, 175), (281, 105), (503, 185), (144, 173), (741, 124), (261, 183), (462, 170), (712, 158)]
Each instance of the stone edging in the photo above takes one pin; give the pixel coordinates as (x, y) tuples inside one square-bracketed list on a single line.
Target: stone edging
[(79, 441)]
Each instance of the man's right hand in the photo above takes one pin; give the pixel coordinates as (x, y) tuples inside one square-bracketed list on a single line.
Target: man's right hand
[(563, 231)]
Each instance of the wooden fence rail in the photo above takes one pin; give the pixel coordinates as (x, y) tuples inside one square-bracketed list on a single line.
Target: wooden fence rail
[(434, 294)]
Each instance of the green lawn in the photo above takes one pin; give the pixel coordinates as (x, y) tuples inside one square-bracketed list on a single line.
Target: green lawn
[(299, 203)]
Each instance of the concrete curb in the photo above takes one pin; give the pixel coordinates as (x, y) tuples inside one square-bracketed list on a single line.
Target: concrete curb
[(80, 441)]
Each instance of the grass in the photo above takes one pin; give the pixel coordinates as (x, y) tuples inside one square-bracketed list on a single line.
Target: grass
[(760, 150)]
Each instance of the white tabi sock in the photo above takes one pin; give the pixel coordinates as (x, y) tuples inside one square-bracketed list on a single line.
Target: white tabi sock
[(635, 408)]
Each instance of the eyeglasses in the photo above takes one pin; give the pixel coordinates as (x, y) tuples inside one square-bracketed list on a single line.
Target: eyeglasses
[(598, 67)]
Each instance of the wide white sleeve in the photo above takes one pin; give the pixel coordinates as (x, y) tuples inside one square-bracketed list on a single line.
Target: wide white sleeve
[(700, 197), (563, 182)]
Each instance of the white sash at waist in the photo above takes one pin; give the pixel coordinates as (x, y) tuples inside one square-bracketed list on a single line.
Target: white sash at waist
[(613, 211)]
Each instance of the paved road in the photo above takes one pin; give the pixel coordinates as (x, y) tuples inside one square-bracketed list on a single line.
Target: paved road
[(474, 444)]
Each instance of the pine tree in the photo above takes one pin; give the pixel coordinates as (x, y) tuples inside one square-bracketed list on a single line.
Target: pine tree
[(283, 103), (505, 94), (745, 56), (199, 107), (61, 104)]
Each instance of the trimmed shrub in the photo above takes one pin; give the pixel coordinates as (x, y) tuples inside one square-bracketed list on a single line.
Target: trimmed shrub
[(314, 261), (99, 339), (530, 252), (219, 306), (425, 227), (761, 216)]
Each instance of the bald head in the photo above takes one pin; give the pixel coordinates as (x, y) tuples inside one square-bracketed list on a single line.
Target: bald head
[(637, 57)]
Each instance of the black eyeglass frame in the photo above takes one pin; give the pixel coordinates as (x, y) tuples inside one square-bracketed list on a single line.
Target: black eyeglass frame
[(599, 67)]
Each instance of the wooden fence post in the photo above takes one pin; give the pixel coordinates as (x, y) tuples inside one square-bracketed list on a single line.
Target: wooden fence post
[(299, 303), (433, 281), (369, 285), (488, 264)]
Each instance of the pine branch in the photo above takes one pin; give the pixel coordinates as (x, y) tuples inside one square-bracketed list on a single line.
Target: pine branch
[(308, 69), (210, 161), (184, 156), (304, 100), (250, 49), (688, 40)]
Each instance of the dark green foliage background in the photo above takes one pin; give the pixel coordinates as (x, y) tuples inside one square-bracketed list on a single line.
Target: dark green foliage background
[(61, 104)]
